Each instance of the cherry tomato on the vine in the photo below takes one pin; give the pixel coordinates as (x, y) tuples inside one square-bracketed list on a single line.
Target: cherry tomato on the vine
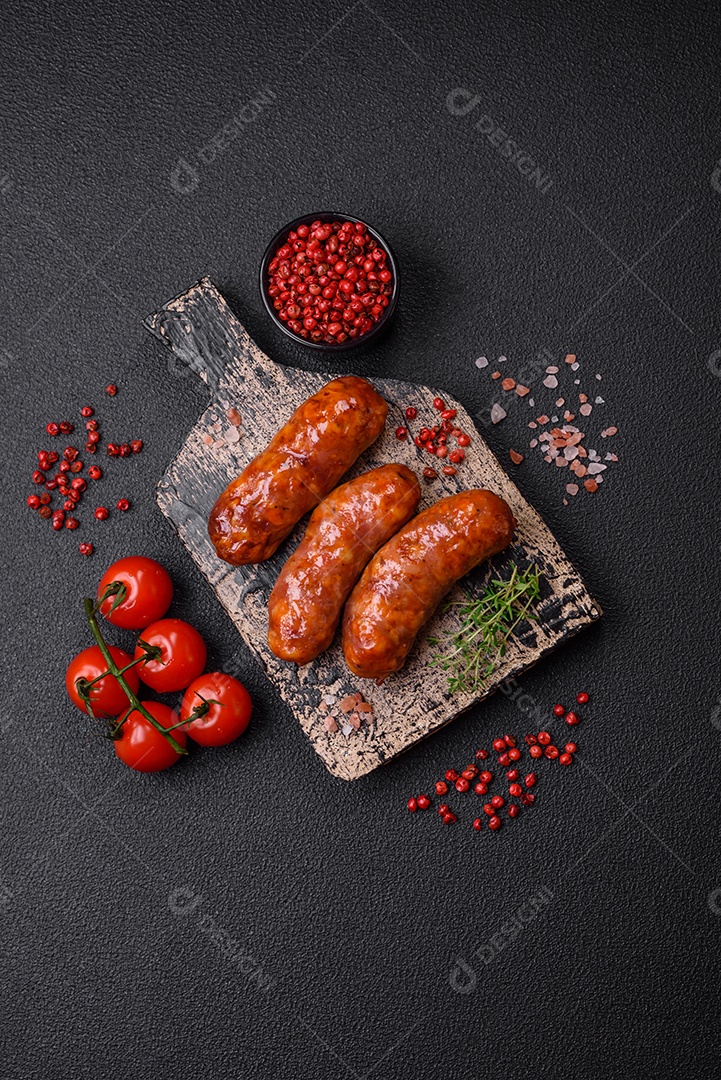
[(141, 746), (107, 697), (149, 591), (224, 721), (182, 656)]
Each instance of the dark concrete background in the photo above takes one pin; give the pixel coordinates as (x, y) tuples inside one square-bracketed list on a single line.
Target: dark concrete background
[(130, 904)]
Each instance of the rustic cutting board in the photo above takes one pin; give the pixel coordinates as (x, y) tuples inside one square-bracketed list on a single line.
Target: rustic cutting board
[(205, 335)]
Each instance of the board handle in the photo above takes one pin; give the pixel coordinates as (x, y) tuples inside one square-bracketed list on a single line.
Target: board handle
[(202, 332)]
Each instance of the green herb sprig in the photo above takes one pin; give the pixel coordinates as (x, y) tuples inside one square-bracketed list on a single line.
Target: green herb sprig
[(474, 651)]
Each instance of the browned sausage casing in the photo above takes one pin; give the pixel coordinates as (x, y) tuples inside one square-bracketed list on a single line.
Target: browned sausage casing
[(403, 585), (300, 466), (344, 532)]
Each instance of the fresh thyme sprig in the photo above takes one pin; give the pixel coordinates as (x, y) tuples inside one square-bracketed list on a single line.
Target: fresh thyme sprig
[(474, 651)]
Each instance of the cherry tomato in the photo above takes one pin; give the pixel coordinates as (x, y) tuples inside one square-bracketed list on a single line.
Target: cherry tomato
[(107, 697), (149, 591), (224, 721), (143, 748), (182, 656)]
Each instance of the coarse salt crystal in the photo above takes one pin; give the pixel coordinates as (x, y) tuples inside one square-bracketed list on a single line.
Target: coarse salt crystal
[(497, 414), (346, 729), (533, 444), (330, 724), (571, 358), (572, 489), (208, 440), (482, 362), (598, 377), (508, 384), (551, 382), (501, 359), (234, 417), (595, 468), (586, 409), (329, 699), (600, 401), (575, 366), (552, 370), (570, 453), (522, 390), (232, 435)]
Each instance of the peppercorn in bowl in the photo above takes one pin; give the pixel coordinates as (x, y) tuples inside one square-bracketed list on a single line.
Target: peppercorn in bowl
[(329, 281)]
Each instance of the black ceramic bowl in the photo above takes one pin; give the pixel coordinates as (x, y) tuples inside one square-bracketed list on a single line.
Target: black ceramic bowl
[(350, 343)]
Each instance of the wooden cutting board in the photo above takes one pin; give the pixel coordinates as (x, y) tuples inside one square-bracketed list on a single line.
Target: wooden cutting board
[(205, 335)]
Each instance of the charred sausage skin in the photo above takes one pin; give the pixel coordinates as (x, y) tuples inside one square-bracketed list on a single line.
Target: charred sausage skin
[(343, 534), (299, 467), (402, 586)]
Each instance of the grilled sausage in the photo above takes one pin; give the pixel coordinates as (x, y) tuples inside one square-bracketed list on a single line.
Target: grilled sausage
[(402, 586), (300, 466), (344, 532)]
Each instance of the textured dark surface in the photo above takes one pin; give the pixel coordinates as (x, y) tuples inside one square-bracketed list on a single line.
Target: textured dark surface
[(355, 909)]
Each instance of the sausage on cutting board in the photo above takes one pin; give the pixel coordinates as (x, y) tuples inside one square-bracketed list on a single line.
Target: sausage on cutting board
[(300, 466), (343, 534), (404, 583)]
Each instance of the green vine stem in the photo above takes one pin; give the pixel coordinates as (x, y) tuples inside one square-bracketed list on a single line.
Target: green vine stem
[(113, 669)]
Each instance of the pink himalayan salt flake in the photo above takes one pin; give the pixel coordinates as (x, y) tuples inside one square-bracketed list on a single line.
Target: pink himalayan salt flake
[(572, 489), (482, 362), (571, 358), (548, 459), (582, 397), (533, 444), (330, 724), (508, 384), (542, 419), (552, 370), (354, 720), (234, 417), (561, 401), (364, 707), (515, 457), (586, 410), (496, 375), (570, 453), (611, 457), (533, 424), (232, 435), (575, 366), (346, 729), (561, 462), (598, 377), (610, 431), (522, 390), (551, 382), (595, 468), (348, 703), (580, 471), (498, 413), (208, 440)]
